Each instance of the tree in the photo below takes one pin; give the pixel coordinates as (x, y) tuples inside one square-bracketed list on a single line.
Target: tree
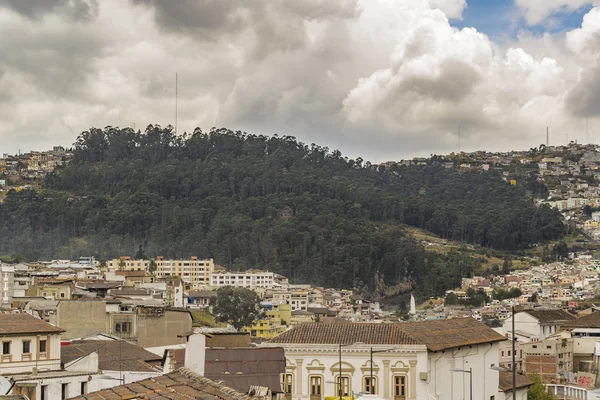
[(507, 265), (141, 253), (121, 265), (237, 306), (561, 250), (538, 391), (534, 297), (152, 267), (587, 210)]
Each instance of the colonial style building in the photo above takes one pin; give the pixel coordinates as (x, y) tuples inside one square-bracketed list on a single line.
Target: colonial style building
[(414, 360)]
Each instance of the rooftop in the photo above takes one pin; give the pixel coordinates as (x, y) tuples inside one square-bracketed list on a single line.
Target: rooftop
[(505, 381), (589, 321), (436, 335), (15, 324), (550, 316), (182, 384), (113, 355)]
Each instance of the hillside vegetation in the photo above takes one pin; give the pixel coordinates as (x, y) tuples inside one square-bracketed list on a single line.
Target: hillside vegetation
[(269, 202)]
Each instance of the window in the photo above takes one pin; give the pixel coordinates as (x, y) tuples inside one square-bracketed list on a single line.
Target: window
[(64, 391), (400, 387), (368, 387), (345, 385), (83, 387), (43, 346), (5, 348), (502, 353), (287, 383), (548, 347), (509, 353), (316, 383), (62, 295), (26, 346), (44, 392), (492, 397)]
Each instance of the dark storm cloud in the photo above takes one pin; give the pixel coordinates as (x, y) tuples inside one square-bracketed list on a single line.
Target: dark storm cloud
[(76, 9), (583, 100)]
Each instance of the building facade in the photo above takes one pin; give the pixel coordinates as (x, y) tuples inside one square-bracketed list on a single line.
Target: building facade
[(7, 284), (250, 279), (193, 271), (416, 360)]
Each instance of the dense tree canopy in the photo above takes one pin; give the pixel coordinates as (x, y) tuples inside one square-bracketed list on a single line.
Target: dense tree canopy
[(237, 306), (268, 202)]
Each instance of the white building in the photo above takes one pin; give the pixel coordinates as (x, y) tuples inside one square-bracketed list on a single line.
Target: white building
[(252, 279), (30, 358), (414, 360), (538, 323), (7, 284)]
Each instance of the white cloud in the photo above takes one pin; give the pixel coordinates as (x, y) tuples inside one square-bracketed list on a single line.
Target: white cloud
[(382, 79), (538, 10), (452, 8)]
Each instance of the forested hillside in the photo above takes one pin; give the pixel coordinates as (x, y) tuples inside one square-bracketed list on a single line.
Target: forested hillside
[(268, 202)]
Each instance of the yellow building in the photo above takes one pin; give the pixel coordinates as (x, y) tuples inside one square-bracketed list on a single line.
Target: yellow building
[(193, 271), (126, 263), (265, 328), (55, 291), (283, 312)]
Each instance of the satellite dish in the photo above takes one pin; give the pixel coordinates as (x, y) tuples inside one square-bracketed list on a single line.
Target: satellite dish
[(5, 385)]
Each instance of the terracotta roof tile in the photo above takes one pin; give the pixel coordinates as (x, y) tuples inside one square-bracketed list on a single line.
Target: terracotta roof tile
[(113, 355), (436, 335), (589, 321), (182, 384), (346, 334), (551, 316), (505, 381), (17, 323)]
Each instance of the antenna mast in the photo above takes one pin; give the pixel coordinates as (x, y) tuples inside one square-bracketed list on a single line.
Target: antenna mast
[(547, 137), (176, 90), (459, 138)]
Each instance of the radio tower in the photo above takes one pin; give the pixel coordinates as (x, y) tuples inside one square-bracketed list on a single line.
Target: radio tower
[(547, 137)]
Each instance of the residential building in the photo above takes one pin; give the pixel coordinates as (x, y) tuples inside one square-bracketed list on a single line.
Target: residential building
[(551, 358), (200, 298), (265, 328), (251, 279), (193, 271), (126, 263), (7, 284), (414, 360), (540, 323), (28, 343)]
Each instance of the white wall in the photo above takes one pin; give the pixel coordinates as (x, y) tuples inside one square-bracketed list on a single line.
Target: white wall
[(443, 384), (195, 353), (526, 323)]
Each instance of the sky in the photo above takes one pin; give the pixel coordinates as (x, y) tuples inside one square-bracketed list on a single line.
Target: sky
[(380, 79)]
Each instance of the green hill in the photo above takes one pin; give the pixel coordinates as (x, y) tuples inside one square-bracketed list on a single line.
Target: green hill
[(269, 202)]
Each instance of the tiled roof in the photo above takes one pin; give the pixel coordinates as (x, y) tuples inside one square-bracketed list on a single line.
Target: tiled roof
[(448, 333), (550, 316), (113, 355), (182, 384), (505, 381), (346, 334), (589, 321), (436, 335), (14, 324)]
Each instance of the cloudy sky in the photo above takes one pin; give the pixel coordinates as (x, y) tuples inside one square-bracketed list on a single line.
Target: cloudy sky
[(381, 79)]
